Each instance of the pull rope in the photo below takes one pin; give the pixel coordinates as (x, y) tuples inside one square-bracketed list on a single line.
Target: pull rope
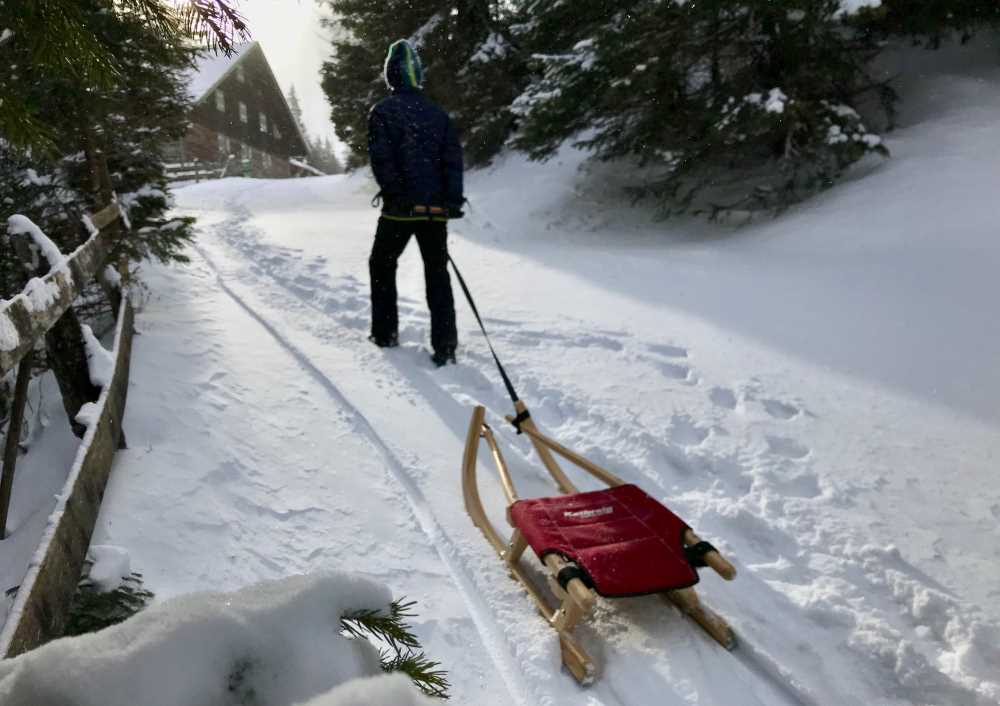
[(521, 416)]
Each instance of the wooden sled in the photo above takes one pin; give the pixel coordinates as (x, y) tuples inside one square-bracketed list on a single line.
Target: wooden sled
[(574, 588)]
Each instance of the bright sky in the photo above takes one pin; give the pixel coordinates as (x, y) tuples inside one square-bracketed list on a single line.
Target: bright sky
[(296, 46)]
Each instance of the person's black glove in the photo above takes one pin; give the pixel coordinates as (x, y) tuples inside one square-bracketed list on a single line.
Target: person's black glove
[(455, 211)]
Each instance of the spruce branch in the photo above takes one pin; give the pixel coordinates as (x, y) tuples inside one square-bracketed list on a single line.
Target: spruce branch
[(93, 610), (404, 653), (391, 628), (216, 21), (421, 670)]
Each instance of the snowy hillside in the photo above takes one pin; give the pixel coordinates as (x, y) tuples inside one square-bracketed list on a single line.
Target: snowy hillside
[(815, 394)]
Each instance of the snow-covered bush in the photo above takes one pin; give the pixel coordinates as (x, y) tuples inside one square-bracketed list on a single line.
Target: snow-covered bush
[(276, 644)]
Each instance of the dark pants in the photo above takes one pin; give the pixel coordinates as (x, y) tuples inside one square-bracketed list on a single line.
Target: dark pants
[(390, 241)]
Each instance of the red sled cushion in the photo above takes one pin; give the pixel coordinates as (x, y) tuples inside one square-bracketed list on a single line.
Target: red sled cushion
[(628, 543)]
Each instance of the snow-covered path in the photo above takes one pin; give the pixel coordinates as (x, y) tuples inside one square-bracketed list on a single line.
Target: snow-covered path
[(812, 394), (291, 444)]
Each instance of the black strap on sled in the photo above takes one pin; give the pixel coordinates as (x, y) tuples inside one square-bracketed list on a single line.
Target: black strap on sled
[(503, 373), (696, 553), (570, 572)]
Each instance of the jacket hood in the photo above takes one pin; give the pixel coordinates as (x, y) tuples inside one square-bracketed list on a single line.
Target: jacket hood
[(403, 69)]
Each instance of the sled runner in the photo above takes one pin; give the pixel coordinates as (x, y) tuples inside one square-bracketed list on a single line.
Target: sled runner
[(614, 543)]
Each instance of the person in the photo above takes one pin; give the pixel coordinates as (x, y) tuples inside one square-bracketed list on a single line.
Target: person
[(416, 158)]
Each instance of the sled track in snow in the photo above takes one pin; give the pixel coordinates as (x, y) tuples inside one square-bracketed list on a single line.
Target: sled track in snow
[(494, 642)]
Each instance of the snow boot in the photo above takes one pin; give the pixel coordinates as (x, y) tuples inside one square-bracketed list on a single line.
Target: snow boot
[(390, 342), (443, 357)]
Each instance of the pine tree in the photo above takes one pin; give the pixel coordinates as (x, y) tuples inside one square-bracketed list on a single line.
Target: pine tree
[(473, 67), (55, 38), (929, 21), (296, 110), (323, 157), (726, 105), (130, 121)]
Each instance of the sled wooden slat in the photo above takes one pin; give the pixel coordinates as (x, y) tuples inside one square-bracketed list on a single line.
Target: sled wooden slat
[(528, 426), (719, 563), (505, 479), (540, 439)]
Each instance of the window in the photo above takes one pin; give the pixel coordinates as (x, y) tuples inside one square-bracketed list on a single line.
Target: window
[(277, 133), (220, 101), (267, 160), (240, 76), (223, 146), (263, 123), (243, 112)]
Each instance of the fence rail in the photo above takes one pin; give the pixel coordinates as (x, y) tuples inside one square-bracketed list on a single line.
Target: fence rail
[(24, 323), (195, 170), (44, 310)]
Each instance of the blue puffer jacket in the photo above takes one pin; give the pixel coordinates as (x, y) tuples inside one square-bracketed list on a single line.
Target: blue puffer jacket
[(413, 147)]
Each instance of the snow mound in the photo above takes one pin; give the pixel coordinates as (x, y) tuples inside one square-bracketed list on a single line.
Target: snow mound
[(275, 643)]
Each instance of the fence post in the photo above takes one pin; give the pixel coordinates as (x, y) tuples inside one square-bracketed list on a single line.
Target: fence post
[(104, 195), (13, 439), (65, 351)]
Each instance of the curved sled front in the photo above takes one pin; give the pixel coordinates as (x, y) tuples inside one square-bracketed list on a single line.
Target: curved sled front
[(614, 542)]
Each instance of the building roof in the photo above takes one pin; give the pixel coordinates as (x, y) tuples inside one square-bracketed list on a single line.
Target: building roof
[(210, 68)]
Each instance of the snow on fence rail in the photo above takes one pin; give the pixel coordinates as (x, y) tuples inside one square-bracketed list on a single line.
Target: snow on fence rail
[(43, 308), (23, 321)]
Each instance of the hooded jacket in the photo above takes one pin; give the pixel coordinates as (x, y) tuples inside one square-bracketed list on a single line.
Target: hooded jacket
[(412, 145)]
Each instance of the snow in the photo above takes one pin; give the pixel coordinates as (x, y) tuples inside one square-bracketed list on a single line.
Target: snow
[(112, 276), (41, 474), (275, 643), (775, 102), (210, 68), (22, 225), (307, 167), (88, 224), (39, 294), (9, 338), (495, 47), (100, 363), (815, 394), (110, 566), (849, 7)]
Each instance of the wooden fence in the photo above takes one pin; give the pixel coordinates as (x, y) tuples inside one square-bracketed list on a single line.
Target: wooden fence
[(195, 170), (42, 601)]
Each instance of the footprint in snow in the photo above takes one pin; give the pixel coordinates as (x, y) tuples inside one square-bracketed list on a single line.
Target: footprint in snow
[(780, 410), (677, 371), (789, 448), (605, 342), (685, 432), (668, 351), (722, 397)]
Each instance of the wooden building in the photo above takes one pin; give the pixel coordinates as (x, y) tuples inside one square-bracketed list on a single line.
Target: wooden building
[(240, 120)]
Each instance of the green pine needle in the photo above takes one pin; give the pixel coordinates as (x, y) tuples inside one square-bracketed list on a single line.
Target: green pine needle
[(420, 669), (403, 654), (93, 610)]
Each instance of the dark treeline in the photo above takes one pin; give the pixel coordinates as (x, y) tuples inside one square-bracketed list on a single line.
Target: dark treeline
[(720, 105)]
